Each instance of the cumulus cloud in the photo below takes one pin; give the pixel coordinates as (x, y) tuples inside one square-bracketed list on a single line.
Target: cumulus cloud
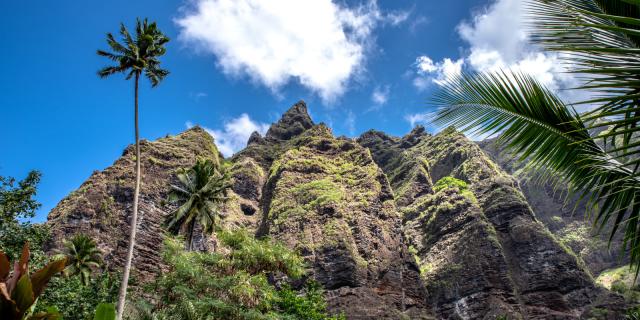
[(235, 133), (397, 17), (428, 72), (320, 43), (498, 40)]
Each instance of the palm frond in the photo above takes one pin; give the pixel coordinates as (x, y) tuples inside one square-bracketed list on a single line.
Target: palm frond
[(600, 41), (201, 191), (137, 55)]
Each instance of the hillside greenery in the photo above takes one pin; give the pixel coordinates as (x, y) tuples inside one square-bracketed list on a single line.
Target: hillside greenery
[(246, 279)]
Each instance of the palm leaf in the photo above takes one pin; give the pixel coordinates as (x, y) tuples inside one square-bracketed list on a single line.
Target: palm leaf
[(600, 40)]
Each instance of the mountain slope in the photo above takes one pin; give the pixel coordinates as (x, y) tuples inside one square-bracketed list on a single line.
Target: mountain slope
[(374, 231), (483, 253)]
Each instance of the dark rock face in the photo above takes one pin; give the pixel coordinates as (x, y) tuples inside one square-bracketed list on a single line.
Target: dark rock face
[(329, 200), (101, 207), (483, 253), (366, 217), (293, 122), (564, 217)]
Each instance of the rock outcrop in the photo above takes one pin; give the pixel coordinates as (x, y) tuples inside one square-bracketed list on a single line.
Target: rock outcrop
[(564, 215), (378, 232), (102, 206), (482, 253)]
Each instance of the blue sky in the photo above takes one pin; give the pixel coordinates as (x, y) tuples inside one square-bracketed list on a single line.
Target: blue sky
[(235, 67)]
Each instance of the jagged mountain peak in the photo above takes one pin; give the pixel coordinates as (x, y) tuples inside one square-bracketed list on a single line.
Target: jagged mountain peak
[(292, 123)]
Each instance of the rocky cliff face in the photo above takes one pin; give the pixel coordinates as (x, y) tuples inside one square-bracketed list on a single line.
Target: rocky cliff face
[(101, 207), (383, 242), (564, 216), (482, 253)]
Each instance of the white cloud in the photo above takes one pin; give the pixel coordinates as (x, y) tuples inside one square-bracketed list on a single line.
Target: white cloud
[(320, 43), (498, 40), (235, 134), (416, 118), (397, 17), (197, 96), (380, 95), (428, 72), (499, 28)]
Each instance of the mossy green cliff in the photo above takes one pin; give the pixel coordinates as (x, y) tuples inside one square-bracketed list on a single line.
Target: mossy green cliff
[(418, 227)]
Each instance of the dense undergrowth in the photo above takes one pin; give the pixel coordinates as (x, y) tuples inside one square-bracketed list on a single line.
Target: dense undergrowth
[(246, 279)]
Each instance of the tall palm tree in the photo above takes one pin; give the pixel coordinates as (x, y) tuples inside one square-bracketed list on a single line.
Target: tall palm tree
[(201, 193), (82, 255), (600, 40), (134, 57)]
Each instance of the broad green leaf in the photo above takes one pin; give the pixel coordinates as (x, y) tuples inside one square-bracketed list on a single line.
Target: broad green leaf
[(41, 277), (23, 294), (105, 311)]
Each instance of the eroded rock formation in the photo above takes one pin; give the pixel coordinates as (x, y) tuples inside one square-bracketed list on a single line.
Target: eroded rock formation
[(366, 217)]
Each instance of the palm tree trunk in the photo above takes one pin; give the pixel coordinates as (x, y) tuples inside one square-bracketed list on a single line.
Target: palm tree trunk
[(134, 217), (192, 227)]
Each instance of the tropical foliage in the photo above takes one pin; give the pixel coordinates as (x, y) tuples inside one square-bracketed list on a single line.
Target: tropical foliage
[(134, 57), (82, 257), (17, 202), (77, 301), (20, 290), (236, 284), (66, 298), (595, 153), (201, 192)]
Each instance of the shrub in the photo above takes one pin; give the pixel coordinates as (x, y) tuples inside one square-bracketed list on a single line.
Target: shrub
[(449, 182), (76, 301), (239, 282)]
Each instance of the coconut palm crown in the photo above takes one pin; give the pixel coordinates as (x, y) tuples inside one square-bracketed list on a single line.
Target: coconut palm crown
[(83, 256), (200, 194)]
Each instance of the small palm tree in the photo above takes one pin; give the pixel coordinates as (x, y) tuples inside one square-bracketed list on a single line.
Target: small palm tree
[(82, 256), (600, 40), (134, 57), (201, 193)]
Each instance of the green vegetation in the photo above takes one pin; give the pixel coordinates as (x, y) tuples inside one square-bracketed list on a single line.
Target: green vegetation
[(596, 153), (20, 290), (633, 314), (82, 256), (63, 297), (317, 193), (135, 56), (76, 300), (622, 281), (17, 202), (233, 284), (201, 193), (451, 182), (580, 239)]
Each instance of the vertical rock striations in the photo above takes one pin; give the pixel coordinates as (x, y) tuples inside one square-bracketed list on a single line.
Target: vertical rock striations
[(565, 217), (379, 228), (482, 253), (101, 207), (329, 200)]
